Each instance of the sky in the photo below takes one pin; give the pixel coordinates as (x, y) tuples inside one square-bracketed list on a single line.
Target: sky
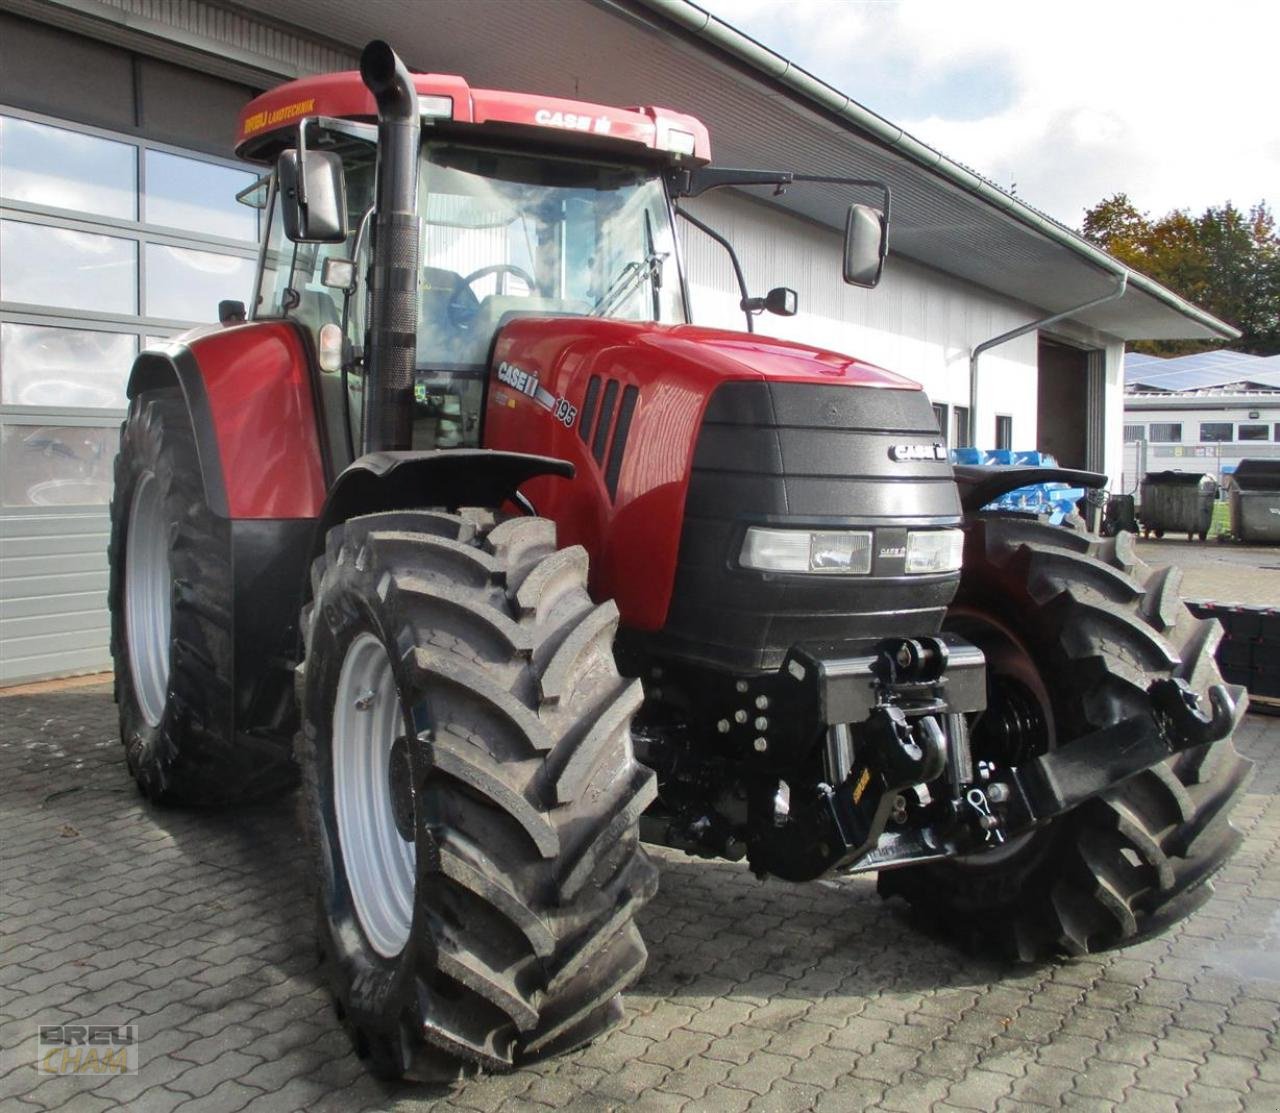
[(1062, 101)]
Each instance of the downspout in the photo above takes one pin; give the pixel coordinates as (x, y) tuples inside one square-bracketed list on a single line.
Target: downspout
[(1122, 283), (393, 284)]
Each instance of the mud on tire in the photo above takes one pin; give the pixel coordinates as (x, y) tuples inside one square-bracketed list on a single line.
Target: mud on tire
[(527, 870), (190, 754), (1099, 626)]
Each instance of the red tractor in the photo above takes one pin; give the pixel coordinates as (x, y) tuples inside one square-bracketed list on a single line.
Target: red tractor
[(467, 526)]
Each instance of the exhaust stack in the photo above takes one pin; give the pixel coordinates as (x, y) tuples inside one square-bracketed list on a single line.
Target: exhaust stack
[(393, 287)]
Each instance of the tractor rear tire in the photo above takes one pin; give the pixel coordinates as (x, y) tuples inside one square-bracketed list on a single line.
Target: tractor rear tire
[(171, 622), (470, 793), (1081, 627)]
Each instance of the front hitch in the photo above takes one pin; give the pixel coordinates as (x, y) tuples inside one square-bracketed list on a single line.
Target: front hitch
[(1067, 777)]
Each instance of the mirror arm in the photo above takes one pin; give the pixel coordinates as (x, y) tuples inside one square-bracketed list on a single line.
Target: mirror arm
[(871, 183), (302, 162), (706, 229)]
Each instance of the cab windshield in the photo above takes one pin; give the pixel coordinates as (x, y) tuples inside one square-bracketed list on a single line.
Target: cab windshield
[(507, 235)]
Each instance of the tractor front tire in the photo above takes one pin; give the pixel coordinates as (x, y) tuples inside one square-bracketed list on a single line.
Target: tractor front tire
[(171, 622), (470, 792), (1076, 629)]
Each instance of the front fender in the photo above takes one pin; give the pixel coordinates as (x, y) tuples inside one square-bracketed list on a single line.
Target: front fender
[(980, 484), (452, 477)]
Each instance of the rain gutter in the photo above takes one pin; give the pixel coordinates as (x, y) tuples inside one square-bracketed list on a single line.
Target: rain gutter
[(703, 25), (1122, 282)]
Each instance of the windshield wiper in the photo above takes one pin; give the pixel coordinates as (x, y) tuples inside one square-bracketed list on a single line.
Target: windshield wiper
[(635, 272)]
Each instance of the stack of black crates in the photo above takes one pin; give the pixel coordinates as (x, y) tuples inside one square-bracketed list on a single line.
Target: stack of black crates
[(1249, 653)]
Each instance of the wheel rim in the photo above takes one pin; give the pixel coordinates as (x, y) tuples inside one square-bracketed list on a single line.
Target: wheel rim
[(148, 586), (379, 862)]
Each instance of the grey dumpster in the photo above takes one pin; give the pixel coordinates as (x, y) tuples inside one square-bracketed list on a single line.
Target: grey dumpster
[(1254, 491), (1178, 501)]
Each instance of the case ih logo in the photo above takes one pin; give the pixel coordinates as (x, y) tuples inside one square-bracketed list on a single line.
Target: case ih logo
[(905, 452), (574, 121), (526, 382)]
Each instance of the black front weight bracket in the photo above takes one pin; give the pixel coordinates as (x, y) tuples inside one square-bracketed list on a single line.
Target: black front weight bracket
[(1065, 778)]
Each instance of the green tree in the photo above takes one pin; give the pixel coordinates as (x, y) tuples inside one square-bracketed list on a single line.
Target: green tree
[(1224, 260)]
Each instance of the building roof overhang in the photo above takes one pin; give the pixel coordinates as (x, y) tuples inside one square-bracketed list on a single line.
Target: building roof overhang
[(761, 110)]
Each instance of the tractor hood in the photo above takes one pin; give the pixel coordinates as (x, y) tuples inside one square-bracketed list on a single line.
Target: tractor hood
[(766, 430), (719, 353)]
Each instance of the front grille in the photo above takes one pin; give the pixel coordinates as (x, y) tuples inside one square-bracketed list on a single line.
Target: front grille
[(806, 455)]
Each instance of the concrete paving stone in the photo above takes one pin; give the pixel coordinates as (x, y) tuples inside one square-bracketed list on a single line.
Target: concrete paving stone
[(659, 1101), (980, 1089), (228, 1096), (231, 1037), (759, 1072), (853, 1094), (678, 1048), (720, 1017), (913, 1092), (788, 1096), (739, 1045), (1166, 1076), (1210, 1099), (200, 1078), (725, 1099), (947, 1060), (1228, 1072), (627, 1085), (822, 995), (273, 1073), (695, 1081), (1101, 1079), (1084, 1103), (861, 1034)]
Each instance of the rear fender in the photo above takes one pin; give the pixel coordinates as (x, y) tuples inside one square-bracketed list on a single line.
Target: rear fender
[(171, 365), (980, 484), (381, 481), (250, 394)]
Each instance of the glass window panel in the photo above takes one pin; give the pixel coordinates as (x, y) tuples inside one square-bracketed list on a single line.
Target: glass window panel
[(40, 265), (198, 196), (187, 285), (1253, 432), (44, 165), (1166, 432), (41, 366), (51, 465)]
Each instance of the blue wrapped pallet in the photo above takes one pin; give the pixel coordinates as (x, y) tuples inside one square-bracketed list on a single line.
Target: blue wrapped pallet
[(1048, 500)]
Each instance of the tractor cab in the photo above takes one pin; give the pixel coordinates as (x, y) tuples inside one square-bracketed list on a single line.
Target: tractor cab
[(526, 207)]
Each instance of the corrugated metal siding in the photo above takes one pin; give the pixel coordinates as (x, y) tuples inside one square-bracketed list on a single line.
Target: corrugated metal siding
[(53, 595), (255, 42), (918, 322)]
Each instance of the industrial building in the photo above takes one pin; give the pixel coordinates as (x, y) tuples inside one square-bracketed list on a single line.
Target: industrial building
[(118, 224), (1203, 412)]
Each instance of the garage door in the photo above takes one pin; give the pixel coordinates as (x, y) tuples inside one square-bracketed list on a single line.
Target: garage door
[(107, 241)]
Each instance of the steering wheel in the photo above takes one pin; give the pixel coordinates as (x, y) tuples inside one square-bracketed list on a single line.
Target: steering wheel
[(500, 269), (464, 305)]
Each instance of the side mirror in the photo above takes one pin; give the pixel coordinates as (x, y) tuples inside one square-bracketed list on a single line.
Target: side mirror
[(231, 312), (780, 300), (866, 241), (338, 274), (313, 196)]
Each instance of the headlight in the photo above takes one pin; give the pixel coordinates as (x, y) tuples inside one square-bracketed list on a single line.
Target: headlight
[(831, 552), (934, 550)]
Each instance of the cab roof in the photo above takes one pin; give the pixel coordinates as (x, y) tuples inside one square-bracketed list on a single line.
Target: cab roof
[(447, 98)]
